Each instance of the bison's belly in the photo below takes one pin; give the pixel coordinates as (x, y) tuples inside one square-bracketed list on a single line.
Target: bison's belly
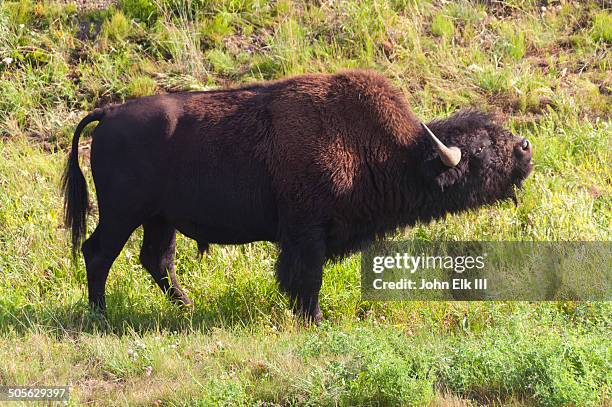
[(214, 220), (205, 233), (224, 209)]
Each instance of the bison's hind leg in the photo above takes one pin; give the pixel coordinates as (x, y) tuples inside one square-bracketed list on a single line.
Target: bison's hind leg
[(300, 271), (202, 248), (157, 257), (100, 251)]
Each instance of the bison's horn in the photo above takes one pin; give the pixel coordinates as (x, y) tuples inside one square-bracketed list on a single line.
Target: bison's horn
[(450, 156)]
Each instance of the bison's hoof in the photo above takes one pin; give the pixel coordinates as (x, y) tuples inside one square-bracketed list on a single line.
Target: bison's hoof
[(313, 316), (97, 306), (317, 318), (183, 301), (186, 302)]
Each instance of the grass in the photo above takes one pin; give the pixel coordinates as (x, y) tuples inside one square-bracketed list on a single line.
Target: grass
[(545, 73)]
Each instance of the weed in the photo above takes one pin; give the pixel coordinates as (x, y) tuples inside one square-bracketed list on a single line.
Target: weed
[(602, 27), (442, 26), (141, 86), (117, 28)]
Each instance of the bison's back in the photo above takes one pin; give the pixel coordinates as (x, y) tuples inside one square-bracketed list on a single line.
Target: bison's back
[(334, 141)]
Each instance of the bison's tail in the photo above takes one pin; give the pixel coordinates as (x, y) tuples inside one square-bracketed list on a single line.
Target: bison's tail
[(74, 187)]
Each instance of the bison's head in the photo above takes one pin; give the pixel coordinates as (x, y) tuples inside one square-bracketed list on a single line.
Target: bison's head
[(472, 161)]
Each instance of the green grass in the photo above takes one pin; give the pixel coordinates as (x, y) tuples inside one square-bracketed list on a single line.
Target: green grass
[(544, 73), (442, 26)]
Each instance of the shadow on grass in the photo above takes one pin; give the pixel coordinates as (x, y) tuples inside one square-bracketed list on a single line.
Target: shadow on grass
[(123, 317)]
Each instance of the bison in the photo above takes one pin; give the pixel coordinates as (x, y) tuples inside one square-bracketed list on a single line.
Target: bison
[(320, 164)]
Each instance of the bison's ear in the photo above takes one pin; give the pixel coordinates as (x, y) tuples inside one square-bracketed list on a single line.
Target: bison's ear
[(441, 176)]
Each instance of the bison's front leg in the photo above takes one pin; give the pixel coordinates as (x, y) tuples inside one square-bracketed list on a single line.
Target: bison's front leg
[(300, 272)]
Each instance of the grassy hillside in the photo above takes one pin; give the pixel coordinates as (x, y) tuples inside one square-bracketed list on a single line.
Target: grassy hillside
[(543, 68)]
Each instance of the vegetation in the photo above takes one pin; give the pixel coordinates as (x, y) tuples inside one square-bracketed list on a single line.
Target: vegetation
[(543, 69)]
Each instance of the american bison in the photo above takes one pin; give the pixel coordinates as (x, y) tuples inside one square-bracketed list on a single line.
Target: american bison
[(320, 164)]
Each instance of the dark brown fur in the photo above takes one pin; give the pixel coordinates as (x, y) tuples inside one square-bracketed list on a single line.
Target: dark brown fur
[(321, 164)]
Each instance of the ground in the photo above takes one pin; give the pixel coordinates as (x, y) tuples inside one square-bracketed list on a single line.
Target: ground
[(543, 69)]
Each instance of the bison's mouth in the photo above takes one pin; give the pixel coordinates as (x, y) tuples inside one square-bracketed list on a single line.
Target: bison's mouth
[(519, 175), (523, 152), (525, 170)]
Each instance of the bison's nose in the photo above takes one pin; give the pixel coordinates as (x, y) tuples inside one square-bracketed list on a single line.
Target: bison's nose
[(525, 145), (523, 149)]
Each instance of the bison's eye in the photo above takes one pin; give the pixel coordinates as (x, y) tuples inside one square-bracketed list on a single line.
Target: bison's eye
[(478, 150)]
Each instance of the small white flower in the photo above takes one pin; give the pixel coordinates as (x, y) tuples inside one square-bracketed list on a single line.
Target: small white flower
[(475, 68), (7, 61)]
